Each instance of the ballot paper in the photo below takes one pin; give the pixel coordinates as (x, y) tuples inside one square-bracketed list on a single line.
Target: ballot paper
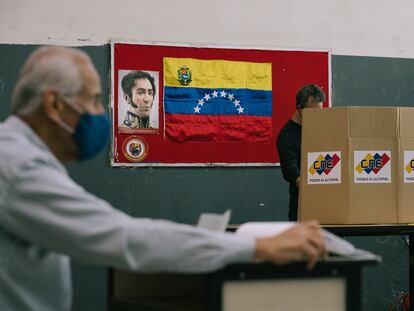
[(334, 244), (215, 222)]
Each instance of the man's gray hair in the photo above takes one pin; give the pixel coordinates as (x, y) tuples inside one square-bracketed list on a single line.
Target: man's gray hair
[(55, 68)]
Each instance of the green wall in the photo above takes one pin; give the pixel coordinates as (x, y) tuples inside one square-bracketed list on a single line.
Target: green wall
[(260, 194)]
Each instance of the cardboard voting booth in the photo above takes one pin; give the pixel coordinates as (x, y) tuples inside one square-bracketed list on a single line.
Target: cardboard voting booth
[(357, 165)]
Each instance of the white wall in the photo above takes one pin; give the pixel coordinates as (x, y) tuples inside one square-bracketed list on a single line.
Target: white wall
[(346, 27)]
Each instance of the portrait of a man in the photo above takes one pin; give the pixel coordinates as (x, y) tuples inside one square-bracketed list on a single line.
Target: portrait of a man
[(137, 101)]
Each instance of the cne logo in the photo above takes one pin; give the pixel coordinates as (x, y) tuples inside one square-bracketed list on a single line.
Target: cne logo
[(410, 166), (372, 163), (324, 167), (324, 164)]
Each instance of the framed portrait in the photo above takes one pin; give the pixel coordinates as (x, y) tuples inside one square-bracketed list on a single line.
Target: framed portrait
[(138, 101)]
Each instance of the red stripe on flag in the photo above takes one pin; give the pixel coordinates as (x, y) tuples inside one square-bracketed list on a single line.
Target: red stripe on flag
[(222, 128)]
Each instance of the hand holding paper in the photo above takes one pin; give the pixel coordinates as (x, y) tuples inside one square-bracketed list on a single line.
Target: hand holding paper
[(300, 240), (275, 230)]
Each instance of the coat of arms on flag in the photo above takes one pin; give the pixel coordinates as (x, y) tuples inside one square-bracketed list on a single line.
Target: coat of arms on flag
[(184, 75)]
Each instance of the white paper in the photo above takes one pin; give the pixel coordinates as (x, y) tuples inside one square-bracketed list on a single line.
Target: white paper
[(214, 222), (334, 244)]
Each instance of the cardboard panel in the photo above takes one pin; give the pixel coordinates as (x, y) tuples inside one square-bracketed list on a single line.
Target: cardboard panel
[(372, 189), (373, 122), (329, 202), (406, 120), (405, 180), (325, 123), (373, 201)]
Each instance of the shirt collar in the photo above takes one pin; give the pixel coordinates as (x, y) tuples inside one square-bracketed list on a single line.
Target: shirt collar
[(22, 127)]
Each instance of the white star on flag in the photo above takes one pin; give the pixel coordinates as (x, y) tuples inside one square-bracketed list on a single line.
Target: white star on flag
[(223, 93), (215, 94), (240, 110), (237, 102), (207, 96), (196, 109), (231, 96), (201, 102)]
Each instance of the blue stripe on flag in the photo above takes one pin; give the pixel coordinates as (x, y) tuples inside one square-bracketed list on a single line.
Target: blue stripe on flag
[(206, 101)]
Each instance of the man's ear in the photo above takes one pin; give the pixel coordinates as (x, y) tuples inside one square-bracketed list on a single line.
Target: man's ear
[(126, 98), (51, 104)]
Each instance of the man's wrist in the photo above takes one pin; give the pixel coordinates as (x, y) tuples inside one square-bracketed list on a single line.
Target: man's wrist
[(261, 251)]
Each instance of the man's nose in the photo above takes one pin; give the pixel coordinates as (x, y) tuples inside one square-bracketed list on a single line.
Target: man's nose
[(146, 97)]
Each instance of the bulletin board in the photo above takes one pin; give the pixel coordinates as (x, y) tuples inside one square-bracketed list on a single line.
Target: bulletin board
[(210, 106)]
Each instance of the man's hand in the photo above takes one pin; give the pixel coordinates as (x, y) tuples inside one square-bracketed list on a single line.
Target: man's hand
[(303, 240)]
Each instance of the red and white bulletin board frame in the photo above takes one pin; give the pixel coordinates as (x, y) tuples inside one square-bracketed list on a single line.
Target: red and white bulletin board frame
[(291, 69)]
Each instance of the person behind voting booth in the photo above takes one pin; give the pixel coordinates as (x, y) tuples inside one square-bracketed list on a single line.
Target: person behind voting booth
[(139, 91), (289, 141), (46, 218)]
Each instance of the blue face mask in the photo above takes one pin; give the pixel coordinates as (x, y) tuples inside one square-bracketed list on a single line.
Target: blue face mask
[(91, 134)]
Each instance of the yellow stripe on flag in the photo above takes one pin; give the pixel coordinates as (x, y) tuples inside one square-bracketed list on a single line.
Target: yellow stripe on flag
[(219, 74)]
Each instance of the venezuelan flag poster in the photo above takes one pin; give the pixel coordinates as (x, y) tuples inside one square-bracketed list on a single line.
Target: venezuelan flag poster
[(176, 105)]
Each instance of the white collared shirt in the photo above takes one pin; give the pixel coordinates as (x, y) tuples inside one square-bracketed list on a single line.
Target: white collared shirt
[(46, 217)]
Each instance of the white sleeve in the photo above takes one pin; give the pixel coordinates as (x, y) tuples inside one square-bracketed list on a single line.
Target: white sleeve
[(44, 206)]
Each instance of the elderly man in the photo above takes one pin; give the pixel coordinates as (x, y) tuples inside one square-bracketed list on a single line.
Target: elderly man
[(46, 218)]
